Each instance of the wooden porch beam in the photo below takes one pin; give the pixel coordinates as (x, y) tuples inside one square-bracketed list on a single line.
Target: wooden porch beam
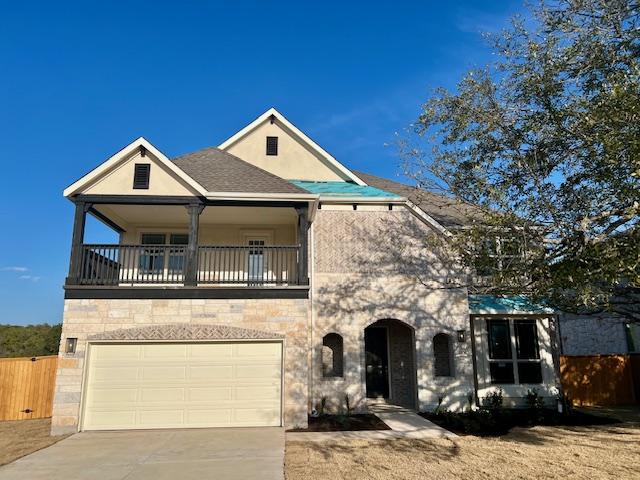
[(191, 261), (77, 239), (303, 241)]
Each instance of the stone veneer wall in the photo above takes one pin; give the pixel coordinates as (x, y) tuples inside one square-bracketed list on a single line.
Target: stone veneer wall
[(373, 265), (85, 318)]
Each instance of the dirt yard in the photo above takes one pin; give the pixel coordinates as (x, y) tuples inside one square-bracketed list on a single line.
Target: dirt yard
[(22, 437), (535, 453)]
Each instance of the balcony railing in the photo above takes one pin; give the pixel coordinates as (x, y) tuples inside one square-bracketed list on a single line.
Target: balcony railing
[(128, 265)]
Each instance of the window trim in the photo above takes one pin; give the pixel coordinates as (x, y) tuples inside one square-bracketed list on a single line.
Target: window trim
[(514, 360)]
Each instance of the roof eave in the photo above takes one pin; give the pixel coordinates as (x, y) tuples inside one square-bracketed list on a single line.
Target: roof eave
[(266, 197)]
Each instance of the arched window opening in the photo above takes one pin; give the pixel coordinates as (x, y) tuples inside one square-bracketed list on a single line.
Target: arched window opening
[(442, 354), (332, 362)]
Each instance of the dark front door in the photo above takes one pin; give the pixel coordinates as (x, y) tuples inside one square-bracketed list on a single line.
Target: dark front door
[(376, 362)]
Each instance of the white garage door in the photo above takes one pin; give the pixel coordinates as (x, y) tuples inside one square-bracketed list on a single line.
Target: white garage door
[(181, 385)]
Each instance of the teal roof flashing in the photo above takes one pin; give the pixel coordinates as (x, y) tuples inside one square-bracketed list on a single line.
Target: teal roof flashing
[(343, 189), (507, 304)]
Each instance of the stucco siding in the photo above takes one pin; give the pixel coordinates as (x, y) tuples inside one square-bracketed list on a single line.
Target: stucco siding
[(119, 181), (295, 161)]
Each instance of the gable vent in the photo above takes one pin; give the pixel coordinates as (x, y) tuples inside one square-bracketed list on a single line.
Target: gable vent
[(141, 176), (272, 145)]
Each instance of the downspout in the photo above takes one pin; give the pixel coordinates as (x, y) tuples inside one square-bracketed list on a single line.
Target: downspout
[(312, 313), (557, 354)]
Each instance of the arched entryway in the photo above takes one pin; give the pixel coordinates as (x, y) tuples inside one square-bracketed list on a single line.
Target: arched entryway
[(390, 368)]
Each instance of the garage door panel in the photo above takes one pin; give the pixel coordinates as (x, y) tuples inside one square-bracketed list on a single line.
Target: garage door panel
[(112, 395), (161, 418), (255, 416), (209, 351), (165, 351), (270, 392), (117, 352), (259, 350), (203, 394), (211, 372), (258, 371), (183, 385), (164, 373), (106, 374), (112, 418), (162, 394), (215, 418)]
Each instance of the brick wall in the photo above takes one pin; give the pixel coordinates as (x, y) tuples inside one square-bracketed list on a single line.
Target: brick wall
[(373, 265), (602, 334)]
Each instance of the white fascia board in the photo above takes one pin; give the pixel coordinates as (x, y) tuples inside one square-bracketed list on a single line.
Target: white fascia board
[(313, 209), (426, 218), (335, 200), (113, 161), (313, 145), (301, 197)]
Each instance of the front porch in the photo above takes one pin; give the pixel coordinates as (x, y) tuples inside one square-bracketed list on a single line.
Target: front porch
[(174, 247)]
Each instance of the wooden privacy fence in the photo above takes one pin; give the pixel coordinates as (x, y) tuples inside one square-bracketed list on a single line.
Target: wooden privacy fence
[(601, 379), (26, 387)]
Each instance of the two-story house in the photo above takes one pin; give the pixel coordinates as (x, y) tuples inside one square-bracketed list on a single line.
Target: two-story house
[(253, 280)]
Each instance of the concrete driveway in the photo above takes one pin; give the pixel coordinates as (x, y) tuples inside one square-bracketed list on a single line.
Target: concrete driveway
[(225, 453)]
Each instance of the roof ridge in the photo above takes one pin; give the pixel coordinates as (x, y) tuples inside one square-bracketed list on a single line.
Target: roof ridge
[(406, 185)]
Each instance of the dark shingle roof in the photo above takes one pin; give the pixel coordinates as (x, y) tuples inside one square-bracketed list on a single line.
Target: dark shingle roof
[(219, 171), (446, 211)]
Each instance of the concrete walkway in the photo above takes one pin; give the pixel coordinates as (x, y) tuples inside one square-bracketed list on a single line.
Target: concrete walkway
[(407, 421), (404, 423), (225, 453)]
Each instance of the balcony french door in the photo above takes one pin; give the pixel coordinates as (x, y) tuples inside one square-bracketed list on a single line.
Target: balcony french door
[(256, 260)]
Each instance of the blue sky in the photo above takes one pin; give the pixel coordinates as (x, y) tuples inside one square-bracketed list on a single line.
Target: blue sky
[(81, 80)]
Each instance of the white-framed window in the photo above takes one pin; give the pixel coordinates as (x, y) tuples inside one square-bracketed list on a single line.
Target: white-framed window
[(152, 260), (514, 351)]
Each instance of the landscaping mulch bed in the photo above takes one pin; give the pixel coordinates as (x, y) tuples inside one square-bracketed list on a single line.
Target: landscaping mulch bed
[(343, 423), (488, 423)]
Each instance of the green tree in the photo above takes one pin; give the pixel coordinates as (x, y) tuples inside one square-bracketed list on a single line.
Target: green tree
[(30, 340), (546, 142)]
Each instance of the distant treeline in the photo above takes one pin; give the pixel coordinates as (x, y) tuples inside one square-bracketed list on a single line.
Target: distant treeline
[(29, 341)]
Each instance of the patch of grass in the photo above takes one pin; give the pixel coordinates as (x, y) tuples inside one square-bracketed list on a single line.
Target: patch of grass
[(22, 437), (596, 452), (489, 422)]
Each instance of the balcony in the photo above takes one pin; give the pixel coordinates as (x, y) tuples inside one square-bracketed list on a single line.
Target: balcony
[(210, 249), (217, 265)]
